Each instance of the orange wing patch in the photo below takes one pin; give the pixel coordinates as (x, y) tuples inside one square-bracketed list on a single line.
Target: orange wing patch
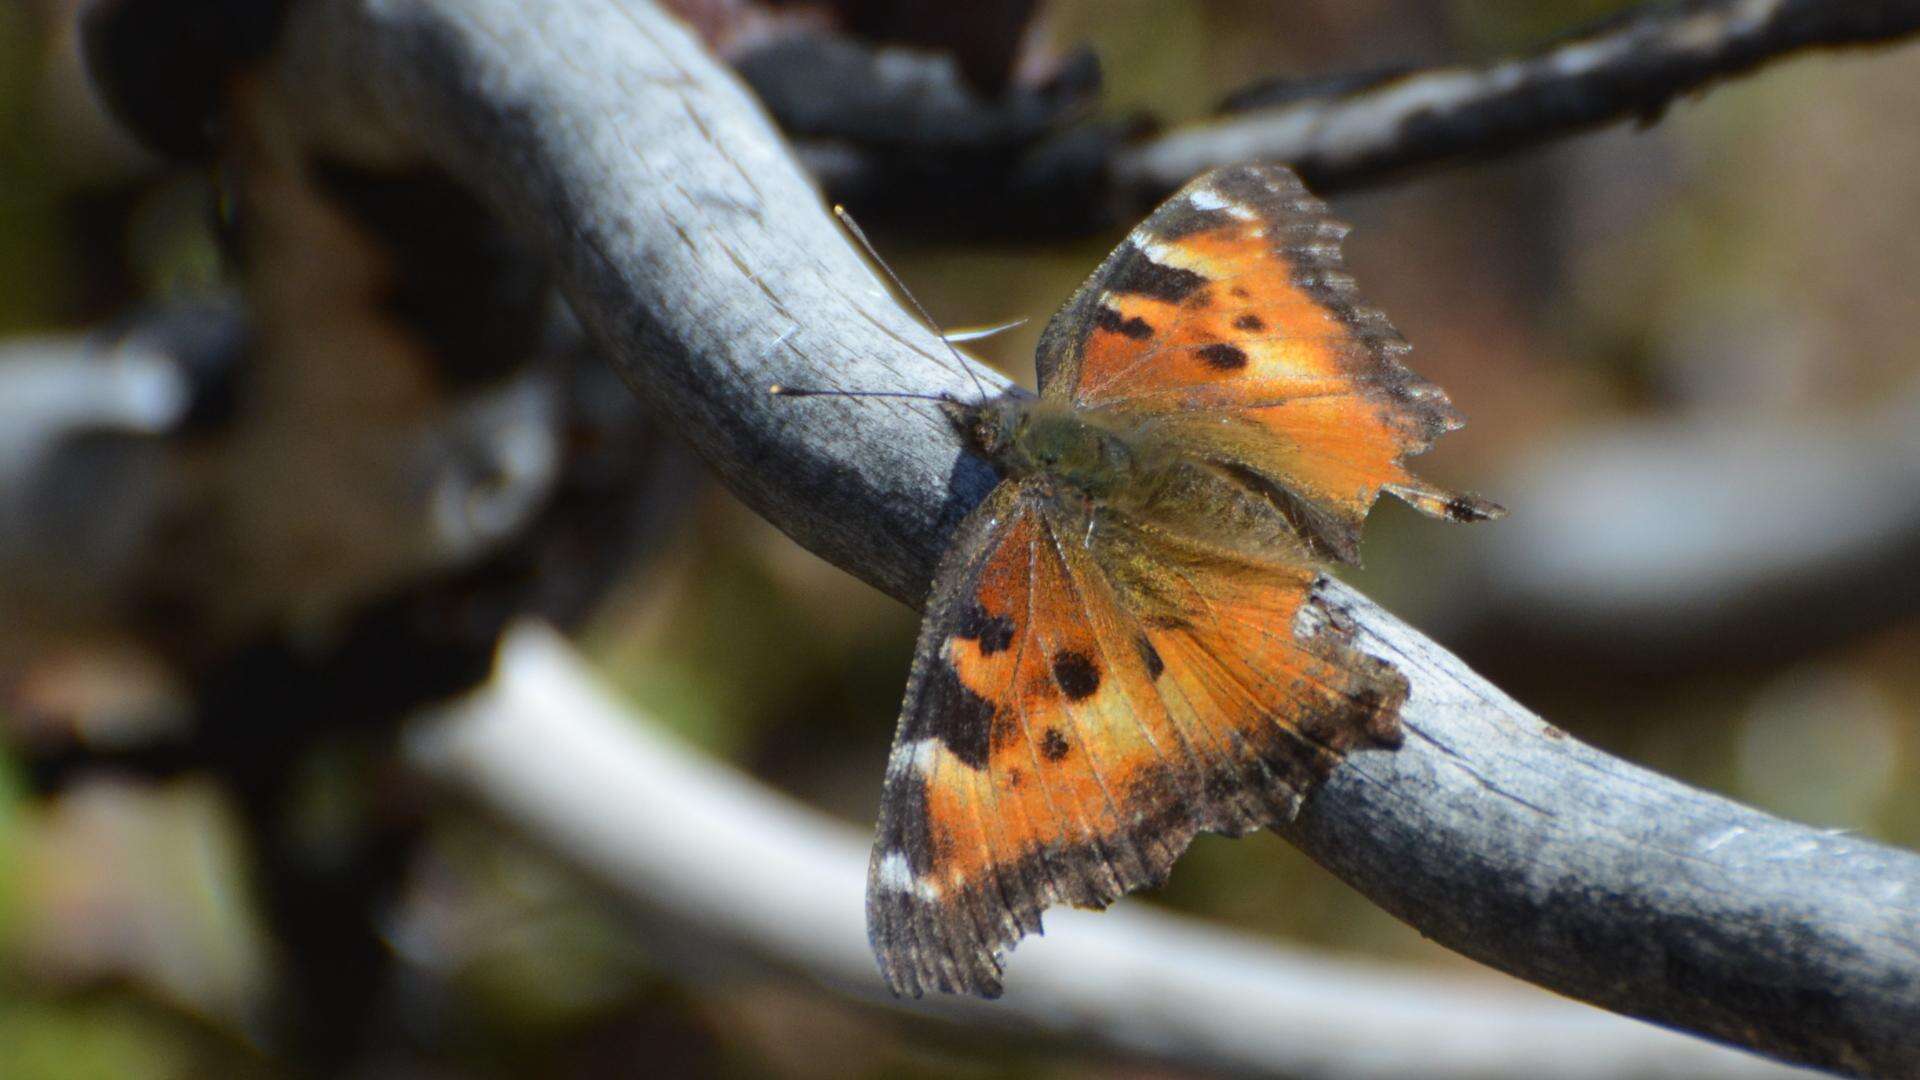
[(1057, 748), (1232, 302), (1220, 320)]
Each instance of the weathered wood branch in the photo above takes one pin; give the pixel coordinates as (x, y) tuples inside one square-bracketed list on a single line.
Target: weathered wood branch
[(703, 263), (723, 872), (1630, 66)]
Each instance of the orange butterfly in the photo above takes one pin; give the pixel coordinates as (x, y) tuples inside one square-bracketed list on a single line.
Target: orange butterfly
[(1115, 656)]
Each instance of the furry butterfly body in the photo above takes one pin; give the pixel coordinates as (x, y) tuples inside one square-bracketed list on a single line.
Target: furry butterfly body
[(1119, 652)]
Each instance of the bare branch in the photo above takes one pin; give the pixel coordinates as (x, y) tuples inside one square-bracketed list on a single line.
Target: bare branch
[(1749, 564), (1634, 65), (702, 851), (699, 258)]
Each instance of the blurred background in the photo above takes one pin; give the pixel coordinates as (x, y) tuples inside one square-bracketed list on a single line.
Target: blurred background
[(1685, 350)]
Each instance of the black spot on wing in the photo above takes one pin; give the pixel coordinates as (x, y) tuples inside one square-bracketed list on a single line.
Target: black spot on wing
[(1141, 276), (1249, 322), (1076, 675), (1136, 328), (1053, 745), (1177, 220), (993, 632), (905, 823), (947, 710), (1151, 656), (1223, 357)]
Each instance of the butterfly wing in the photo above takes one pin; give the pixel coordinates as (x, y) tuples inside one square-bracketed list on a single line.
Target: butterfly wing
[(1231, 302), (1066, 733)]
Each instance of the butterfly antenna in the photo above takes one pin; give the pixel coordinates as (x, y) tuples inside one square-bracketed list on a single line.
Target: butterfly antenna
[(853, 227)]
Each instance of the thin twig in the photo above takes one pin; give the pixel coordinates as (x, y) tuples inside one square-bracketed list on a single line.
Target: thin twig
[(1632, 65), (692, 247)]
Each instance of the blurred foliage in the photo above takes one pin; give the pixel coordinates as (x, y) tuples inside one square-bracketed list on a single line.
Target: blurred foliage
[(13, 809), (1752, 252), (1493, 27), (87, 1040), (37, 257)]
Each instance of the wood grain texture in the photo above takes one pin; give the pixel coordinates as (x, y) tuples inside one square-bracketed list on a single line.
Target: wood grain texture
[(699, 257), (1502, 837)]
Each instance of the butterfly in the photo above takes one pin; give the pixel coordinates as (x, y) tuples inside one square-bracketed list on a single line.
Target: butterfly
[(1125, 645)]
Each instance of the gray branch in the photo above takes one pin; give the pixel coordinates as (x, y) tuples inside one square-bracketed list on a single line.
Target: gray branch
[(700, 259), (1631, 66)]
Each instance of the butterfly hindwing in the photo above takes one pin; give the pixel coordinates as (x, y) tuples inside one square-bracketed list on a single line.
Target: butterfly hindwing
[(1228, 315), (1066, 733)]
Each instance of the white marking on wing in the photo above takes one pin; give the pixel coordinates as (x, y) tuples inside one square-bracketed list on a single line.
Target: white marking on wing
[(895, 875), (923, 753)]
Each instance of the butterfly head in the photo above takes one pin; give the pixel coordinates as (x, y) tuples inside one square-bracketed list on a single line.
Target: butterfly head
[(989, 427), (1023, 436)]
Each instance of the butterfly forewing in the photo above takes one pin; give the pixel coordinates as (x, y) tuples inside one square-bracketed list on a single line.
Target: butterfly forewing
[(1232, 303)]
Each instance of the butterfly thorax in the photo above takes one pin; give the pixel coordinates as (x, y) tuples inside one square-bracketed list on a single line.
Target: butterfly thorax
[(1076, 451), (1096, 463)]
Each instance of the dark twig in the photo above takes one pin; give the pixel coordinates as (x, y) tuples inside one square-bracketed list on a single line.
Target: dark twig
[(906, 133), (700, 260), (1631, 66)]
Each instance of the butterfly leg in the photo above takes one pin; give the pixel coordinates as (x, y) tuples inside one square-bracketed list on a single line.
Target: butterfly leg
[(1072, 502), (1092, 509)]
